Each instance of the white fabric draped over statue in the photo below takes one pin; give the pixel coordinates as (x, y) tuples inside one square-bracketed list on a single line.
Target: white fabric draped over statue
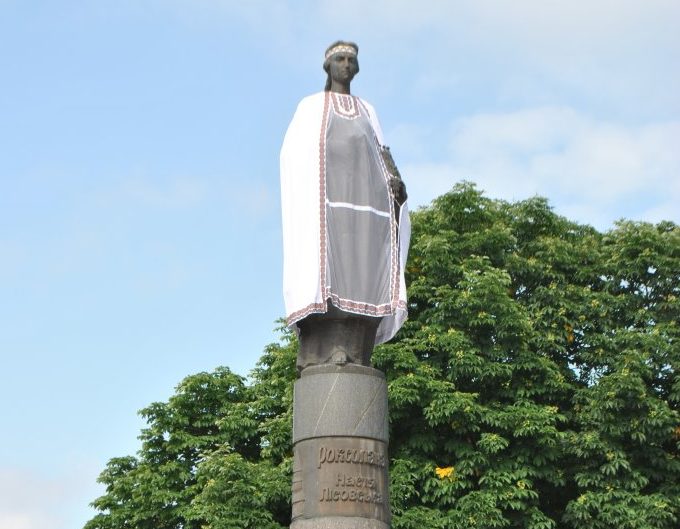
[(341, 241)]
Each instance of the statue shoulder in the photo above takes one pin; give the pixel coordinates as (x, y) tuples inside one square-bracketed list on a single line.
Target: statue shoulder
[(367, 105), (370, 110), (311, 101), (304, 126)]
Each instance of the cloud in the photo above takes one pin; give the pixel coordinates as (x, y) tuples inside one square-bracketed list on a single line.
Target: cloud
[(256, 200), (32, 501), (569, 27), (614, 53), (275, 20), (236, 194), (172, 193), (24, 521), (605, 53), (575, 25), (592, 171)]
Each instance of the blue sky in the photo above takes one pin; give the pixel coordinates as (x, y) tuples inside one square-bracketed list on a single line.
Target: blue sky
[(139, 201)]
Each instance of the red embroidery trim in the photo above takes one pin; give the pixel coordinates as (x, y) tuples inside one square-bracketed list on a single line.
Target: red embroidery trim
[(323, 243), (345, 105), (348, 107)]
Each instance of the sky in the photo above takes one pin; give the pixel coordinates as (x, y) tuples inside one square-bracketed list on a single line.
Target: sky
[(140, 233)]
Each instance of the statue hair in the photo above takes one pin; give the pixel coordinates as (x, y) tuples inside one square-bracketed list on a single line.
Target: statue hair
[(326, 65)]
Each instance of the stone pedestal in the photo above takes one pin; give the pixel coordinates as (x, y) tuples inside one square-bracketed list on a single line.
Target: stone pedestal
[(340, 438)]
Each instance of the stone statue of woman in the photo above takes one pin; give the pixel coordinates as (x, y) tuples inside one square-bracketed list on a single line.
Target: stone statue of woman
[(345, 223)]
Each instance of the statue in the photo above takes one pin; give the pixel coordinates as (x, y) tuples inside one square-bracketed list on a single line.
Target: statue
[(345, 223)]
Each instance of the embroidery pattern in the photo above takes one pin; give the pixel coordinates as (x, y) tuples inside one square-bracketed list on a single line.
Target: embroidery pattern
[(348, 107), (345, 105)]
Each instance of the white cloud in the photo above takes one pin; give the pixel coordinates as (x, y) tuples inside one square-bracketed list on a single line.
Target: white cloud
[(613, 53), (610, 54), (24, 521), (32, 500), (570, 25), (174, 193), (413, 140), (275, 19), (234, 194), (592, 171), (538, 26), (256, 200)]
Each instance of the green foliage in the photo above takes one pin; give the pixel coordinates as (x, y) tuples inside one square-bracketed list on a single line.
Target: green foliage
[(534, 386), (216, 455)]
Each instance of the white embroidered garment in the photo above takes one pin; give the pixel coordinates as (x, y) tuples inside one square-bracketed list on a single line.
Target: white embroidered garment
[(340, 238)]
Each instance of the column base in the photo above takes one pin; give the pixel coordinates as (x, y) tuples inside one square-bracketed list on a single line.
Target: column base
[(338, 522), (340, 463)]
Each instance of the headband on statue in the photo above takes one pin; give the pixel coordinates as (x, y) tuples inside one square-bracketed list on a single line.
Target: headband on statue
[(341, 48)]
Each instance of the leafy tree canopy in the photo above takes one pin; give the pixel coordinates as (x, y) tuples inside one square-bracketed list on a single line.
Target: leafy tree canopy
[(534, 386)]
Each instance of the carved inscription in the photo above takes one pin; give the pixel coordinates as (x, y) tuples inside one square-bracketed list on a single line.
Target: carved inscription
[(328, 454), (344, 477), (353, 488)]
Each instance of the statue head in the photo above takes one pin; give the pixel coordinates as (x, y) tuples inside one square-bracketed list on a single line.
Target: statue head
[(341, 63)]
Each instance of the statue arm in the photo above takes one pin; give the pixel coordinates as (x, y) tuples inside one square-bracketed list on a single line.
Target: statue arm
[(396, 183)]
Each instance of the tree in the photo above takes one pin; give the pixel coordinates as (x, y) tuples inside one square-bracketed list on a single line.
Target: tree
[(217, 450), (534, 386), (535, 383)]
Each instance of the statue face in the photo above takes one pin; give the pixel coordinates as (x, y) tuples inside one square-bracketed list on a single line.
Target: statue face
[(343, 67)]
